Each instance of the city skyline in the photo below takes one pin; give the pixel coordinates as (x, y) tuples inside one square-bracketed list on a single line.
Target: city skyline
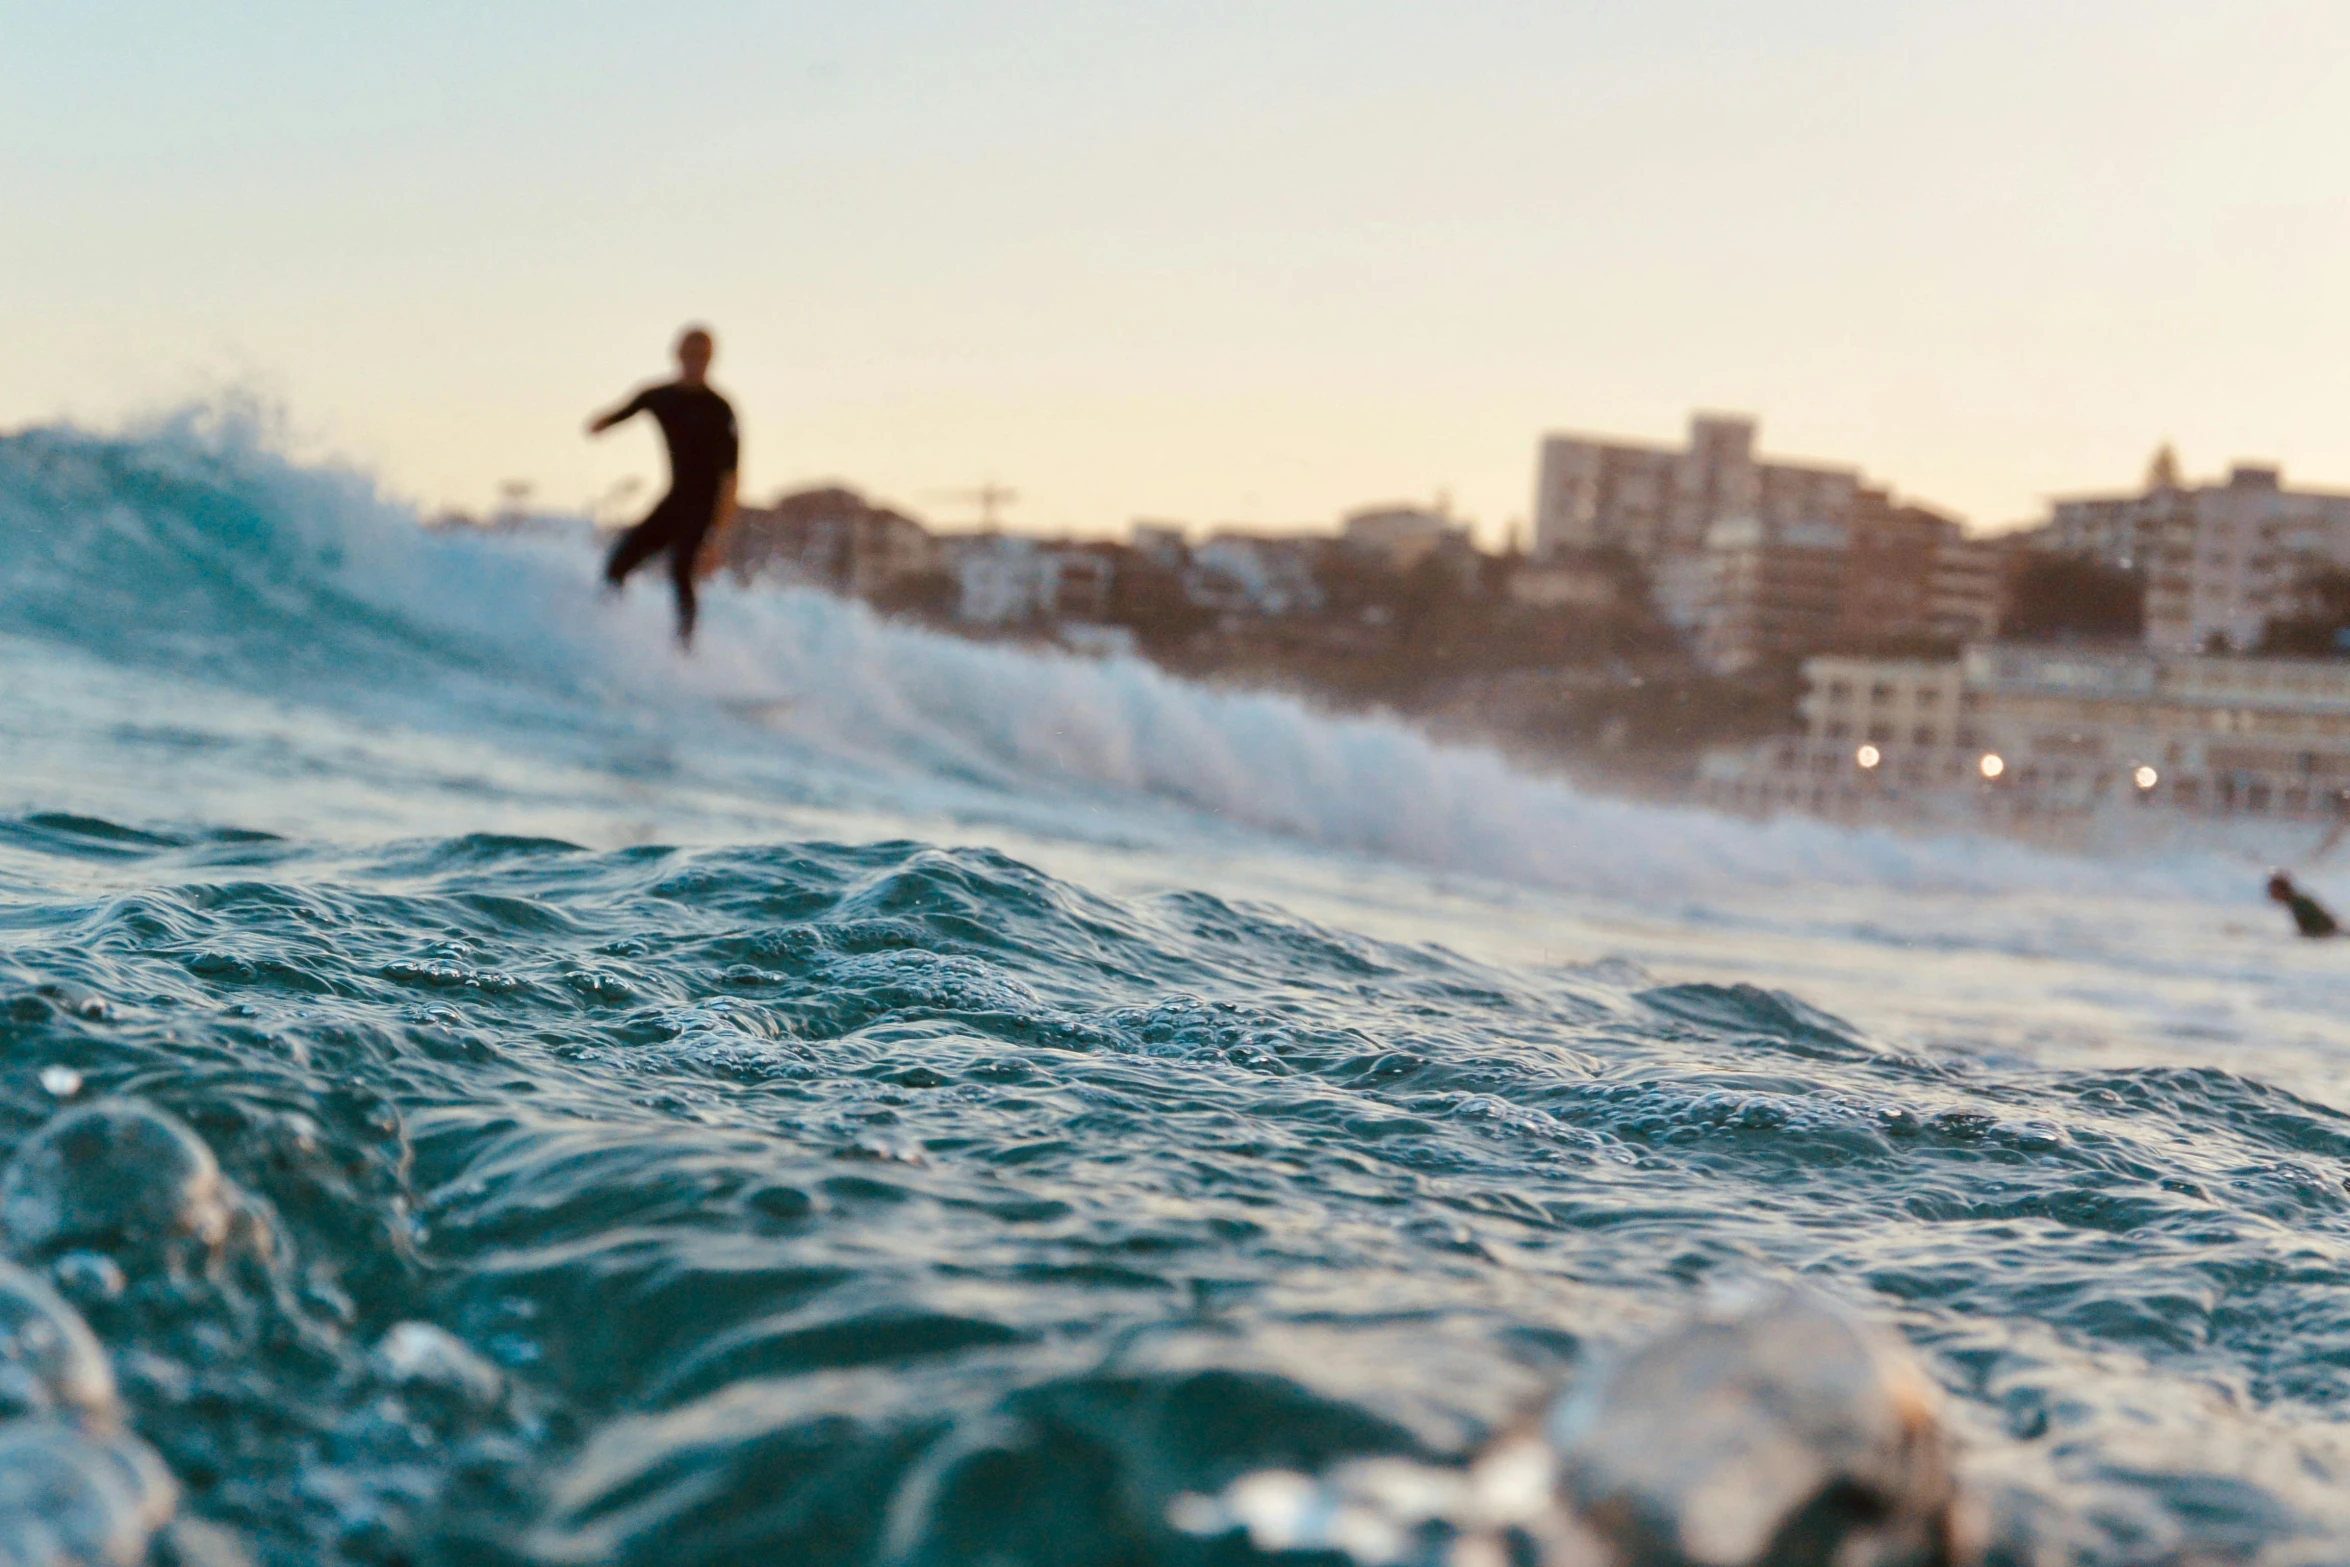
[(1256, 268)]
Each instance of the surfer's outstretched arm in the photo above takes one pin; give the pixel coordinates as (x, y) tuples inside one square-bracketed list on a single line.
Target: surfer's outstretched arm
[(606, 420)]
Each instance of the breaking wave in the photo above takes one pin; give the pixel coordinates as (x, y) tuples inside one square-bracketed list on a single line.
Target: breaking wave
[(194, 549)]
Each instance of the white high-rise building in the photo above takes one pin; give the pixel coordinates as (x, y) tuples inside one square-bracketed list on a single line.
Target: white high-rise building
[(2219, 559), (1658, 502)]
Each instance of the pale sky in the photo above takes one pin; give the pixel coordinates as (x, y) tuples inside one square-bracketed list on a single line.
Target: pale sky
[(1221, 262)]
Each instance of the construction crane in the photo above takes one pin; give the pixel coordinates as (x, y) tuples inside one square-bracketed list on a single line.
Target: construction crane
[(987, 497)]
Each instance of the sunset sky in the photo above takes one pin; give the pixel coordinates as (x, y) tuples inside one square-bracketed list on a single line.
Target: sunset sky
[(1208, 261)]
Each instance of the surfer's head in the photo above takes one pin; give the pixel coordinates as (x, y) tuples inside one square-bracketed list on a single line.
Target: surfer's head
[(694, 348)]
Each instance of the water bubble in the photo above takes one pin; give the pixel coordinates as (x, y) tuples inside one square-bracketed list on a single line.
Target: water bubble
[(1782, 1434), (115, 1173), (248, 1230), (155, 1379), (420, 1355), (86, 1276), (191, 1542), (145, 1477), (1785, 1433), (66, 1502), (60, 1082), (515, 1350), (882, 1150), (329, 1300), (50, 1362)]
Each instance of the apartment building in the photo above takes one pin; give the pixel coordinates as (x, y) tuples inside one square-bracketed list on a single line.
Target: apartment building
[(2056, 732), (1880, 737), (1401, 537), (1753, 559), (1165, 545), (1762, 590), (1902, 706), (1765, 589), (2258, 736), (2219, 560), (1008, 580), (1893, 556), (1236, 572), (1966, 591), (830, 538), (1654, 502)]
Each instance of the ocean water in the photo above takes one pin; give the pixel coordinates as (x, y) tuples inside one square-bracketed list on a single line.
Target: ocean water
[(857, 1096)]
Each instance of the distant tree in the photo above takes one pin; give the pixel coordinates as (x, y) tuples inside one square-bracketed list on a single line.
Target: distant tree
[(1424, 591), (1354, 580), (924, 595), (1154, 603), (2060, 597), (2319, 622)]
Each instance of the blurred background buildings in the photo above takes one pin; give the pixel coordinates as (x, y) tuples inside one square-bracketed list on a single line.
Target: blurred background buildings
[(1762, 633)]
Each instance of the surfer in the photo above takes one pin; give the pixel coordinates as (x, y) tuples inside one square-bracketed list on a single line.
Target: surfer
[(2309, 915), (698, 426)]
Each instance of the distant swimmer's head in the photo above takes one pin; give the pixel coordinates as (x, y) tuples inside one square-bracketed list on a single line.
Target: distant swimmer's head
[(694, 349)]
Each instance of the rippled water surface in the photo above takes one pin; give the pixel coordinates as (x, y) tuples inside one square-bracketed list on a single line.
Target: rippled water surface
[(859, 1097)]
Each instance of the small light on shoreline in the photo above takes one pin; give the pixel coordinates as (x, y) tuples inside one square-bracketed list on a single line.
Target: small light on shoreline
[(2145, 778), (1868, 756), (1992, 764)]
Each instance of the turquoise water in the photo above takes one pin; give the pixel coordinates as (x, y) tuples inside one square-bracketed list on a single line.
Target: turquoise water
[(862, 1097)]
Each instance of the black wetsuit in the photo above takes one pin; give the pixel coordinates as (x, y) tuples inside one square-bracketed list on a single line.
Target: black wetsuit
[(698, 424), (2310, 916)]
